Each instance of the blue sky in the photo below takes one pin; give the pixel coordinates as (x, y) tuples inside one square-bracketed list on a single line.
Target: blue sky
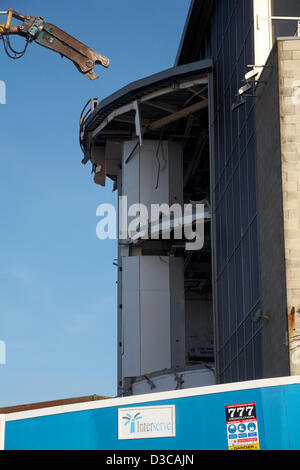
[(57, 280)]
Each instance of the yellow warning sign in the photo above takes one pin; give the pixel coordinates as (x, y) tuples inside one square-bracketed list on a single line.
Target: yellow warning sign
[(245, 447)]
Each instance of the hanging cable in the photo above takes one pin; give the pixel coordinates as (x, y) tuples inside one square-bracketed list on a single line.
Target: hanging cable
[(9, 50), (157, 158)]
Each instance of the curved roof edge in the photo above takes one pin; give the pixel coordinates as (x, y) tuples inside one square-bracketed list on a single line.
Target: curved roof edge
[(130, 92)]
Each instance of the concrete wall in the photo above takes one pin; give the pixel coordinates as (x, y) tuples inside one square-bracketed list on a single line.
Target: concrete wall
[(289, 92), (271, 230)]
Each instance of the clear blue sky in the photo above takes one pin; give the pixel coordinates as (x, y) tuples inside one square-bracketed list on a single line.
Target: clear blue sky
[(57, 280)]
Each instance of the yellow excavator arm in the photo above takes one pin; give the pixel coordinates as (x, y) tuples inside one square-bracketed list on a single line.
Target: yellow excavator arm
[(50, 36)]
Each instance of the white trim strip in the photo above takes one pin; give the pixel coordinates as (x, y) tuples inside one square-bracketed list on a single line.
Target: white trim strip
[(153, 397), (288, 18), (132, 105), (2, 431)]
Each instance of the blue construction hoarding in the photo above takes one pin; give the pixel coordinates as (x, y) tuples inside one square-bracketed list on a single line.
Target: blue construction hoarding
[(263, 414)]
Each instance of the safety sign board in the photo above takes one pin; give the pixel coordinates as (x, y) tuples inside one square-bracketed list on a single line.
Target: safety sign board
[(242, 427)]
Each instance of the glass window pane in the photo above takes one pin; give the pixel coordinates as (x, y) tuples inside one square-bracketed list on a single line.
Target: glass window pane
[(254, 253), (242, 366), (248, 328), (284, 28), (244, 193), (229, 202), (237, 206), (226, 58), (249, 361), (225, 306), (246, 274), (234, 372), (240, 25), (223, 231), (214, 37), (227, 356), (228, 115), (233, 346), (248, 14), (232, 33), (241, 337), (220, 313), (221, 361), (285, 8), (220, 82), (232, 296), (218, 239), (239, 285), (252, 178), (227, 378)]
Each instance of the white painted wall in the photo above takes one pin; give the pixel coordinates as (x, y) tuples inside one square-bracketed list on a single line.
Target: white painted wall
[(152, 291), (262, 31)]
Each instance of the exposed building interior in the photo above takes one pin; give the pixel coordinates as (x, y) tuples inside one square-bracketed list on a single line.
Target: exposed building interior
[(152, 140)]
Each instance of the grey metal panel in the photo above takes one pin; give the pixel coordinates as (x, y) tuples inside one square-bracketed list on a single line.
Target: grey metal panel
[(155, 314), (177, 311), (131, 316)]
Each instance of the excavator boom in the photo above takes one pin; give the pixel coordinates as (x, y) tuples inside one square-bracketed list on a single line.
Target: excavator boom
[(51, 37)]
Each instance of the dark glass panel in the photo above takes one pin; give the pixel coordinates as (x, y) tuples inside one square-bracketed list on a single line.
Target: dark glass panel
[(227, 376), (227, 71), (240, 338), (234, 371), (221, 361), (232, 301), (226, 318), (249, 361), (240, 25), (227, 355), (220, 313), (218, 239), (254, 253), (248, 328), (230, 226), (285, 8), (242, 366), (284, 28), (244, 192), (233, 345), (239, 285), (252, 178), (223, 231), (237, 206), (232, 33), (248, 13), (227, 116), (246, 274)]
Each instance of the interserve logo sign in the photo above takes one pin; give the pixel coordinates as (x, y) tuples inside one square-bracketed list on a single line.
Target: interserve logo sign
[(147, 422)]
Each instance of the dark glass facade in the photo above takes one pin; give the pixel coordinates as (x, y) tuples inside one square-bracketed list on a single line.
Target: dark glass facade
[(230, 41)]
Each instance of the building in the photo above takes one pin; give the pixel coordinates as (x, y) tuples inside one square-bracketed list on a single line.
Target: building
[(220, 129)]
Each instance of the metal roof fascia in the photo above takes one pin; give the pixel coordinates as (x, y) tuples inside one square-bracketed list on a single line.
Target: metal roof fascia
[(158, 79)]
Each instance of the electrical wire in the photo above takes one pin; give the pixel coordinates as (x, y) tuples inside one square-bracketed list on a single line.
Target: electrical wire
[(157, 158), (9, 50)]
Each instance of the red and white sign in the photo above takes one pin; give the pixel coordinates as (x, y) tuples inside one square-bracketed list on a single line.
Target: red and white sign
[(242, 427)]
